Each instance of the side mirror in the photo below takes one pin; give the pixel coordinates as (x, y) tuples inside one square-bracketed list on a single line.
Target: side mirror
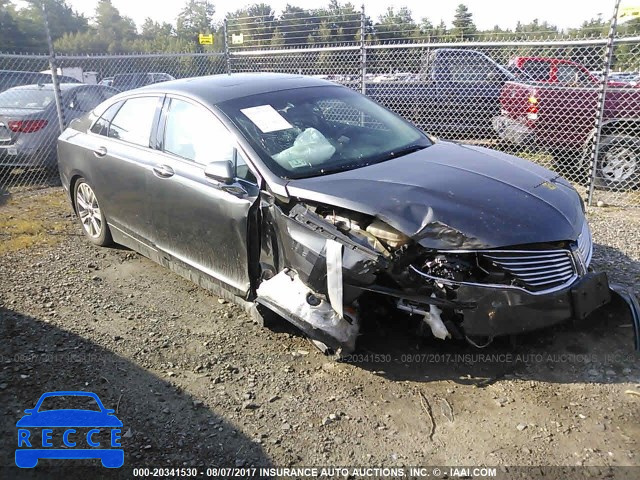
[(221, 171), (30, 410)]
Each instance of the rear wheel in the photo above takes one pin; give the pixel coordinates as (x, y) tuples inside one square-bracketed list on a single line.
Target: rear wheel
[(93, 222), (618, 165)]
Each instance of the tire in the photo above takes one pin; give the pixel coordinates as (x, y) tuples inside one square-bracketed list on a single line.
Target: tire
[(92, 220), (618, 166)]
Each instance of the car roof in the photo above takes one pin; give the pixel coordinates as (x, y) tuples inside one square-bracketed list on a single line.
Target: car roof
[(216, 89)]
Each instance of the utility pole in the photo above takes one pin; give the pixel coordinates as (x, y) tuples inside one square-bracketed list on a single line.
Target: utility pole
[(54, 70), (608, 57)]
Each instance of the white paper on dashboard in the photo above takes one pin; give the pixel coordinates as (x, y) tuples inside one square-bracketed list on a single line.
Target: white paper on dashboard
[(266, 118)]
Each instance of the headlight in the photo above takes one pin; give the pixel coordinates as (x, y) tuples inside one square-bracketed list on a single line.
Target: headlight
[(585, 244)]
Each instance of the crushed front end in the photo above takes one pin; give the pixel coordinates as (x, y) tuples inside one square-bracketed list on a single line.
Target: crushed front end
[(327, 269)]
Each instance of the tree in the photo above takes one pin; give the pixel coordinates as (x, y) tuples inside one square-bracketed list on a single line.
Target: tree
[(196, 17), (343, 22), (152, 30), (61, 18), (295, 25), (464, 28), (11, 36), (256, 23), (109, 32), (396, 25), (113, 28)]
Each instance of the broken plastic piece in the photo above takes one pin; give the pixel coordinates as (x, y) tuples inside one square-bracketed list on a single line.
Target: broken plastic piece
[(287, 295), (434, 320), (334, 275)]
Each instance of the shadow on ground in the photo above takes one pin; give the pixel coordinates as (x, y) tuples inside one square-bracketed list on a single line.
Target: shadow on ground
[(18, 178), (163, 426)]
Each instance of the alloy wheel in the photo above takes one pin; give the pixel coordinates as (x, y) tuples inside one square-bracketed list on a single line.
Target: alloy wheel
[(89, 210)]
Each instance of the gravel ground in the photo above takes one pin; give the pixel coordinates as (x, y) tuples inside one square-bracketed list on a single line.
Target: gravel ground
[(195, 382)]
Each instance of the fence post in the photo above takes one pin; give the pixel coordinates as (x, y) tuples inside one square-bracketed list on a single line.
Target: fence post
[(608, 57), (227, 59), (363, 52), (54, 71)]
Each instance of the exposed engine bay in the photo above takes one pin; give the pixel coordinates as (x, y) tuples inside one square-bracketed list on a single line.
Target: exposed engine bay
[(321, 264)]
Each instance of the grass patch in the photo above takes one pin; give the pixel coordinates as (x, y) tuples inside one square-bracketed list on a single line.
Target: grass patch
[(33, 219)]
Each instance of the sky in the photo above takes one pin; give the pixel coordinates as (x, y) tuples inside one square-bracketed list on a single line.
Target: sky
[(486, 13)]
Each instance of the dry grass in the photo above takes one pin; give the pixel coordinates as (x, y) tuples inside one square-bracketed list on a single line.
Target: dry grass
[(32, 219)]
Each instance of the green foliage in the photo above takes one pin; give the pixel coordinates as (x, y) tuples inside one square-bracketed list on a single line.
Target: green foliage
[(396, 25), (256, 23), (196, 17), (108, 31), (463, 26)]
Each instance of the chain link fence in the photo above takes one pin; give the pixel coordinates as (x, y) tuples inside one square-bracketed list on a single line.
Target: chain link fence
[(540, 100)]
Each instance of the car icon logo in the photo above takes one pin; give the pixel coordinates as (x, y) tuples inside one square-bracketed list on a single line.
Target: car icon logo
[(69, 433)]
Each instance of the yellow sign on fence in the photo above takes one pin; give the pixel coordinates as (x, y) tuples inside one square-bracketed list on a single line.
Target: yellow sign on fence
[(205, 39), (627, 13)]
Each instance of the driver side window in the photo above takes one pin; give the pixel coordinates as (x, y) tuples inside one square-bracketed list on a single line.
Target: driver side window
[(193, 133)]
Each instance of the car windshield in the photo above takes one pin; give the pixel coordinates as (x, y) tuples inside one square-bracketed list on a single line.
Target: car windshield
[(31, 99), (313, 131), (66, 402)]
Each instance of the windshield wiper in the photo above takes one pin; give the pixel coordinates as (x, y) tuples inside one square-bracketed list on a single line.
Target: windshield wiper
[(404, 151)]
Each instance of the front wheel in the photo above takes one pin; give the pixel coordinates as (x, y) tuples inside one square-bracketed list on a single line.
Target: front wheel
[(618, 165), (92, 219)]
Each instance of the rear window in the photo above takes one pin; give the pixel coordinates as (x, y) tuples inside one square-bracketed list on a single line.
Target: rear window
[(537, 70), (26, 99)]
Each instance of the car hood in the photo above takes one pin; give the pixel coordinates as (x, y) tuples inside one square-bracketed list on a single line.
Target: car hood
[(69, 418), (456, 196)]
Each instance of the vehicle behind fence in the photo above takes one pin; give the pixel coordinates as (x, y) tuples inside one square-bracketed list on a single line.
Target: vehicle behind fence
[(543, 100)]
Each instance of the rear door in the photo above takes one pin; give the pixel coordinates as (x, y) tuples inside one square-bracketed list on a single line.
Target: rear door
[(197, 220), (121, 160)]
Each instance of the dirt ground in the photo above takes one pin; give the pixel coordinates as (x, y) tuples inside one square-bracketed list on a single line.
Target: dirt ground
[(195, 382)]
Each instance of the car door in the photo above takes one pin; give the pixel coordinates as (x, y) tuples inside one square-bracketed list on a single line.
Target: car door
[(119, 146), (197, 220)]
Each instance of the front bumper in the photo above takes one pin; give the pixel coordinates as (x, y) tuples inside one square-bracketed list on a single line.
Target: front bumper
[(508, 311)]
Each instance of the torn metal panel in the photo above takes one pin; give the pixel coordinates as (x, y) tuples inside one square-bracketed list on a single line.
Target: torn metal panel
[(298, 240), (485, 199), (287, 295)]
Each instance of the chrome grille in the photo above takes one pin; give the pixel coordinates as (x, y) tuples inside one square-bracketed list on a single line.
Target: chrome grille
[(535, 270)]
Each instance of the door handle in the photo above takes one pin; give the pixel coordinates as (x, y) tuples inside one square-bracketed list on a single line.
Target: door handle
[(163, 171), (100, 151)]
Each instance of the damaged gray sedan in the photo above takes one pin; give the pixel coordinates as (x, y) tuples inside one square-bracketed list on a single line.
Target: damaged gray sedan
[(293, 195)]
